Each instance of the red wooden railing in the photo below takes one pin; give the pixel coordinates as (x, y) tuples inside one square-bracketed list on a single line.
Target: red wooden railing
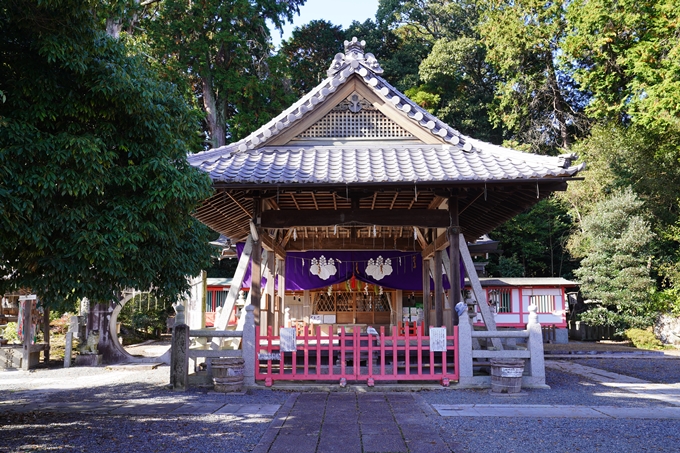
[(357, 357)]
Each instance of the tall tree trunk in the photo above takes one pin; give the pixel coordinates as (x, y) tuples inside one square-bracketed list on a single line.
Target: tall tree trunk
[(213, 115), (559, 106)]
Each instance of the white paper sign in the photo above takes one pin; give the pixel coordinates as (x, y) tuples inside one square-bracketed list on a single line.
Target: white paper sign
[(438, 339), (329, 319), (288, 339), (512, 372), (269, 356), (315, 319)]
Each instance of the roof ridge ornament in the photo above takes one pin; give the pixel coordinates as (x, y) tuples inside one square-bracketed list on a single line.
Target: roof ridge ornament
[(354, 56)]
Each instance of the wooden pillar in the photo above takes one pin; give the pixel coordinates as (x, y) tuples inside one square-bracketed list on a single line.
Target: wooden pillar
[(438, 290), (256, 266), (454, 258), (281, 295), (269, 289), (427, 302)]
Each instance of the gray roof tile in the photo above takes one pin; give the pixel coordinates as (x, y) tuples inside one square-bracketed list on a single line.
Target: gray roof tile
[(458, 157)]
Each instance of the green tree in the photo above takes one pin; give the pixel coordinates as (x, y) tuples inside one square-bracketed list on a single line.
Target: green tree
[(536, 240), (309, 52), (627, 54), (399, 50), (614, 241), (537, 101), (453, 80), (95, 189), (220, 51)]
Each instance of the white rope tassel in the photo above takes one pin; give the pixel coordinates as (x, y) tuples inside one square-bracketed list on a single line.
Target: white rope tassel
[(415, 233), (374, 232), (294, 234)]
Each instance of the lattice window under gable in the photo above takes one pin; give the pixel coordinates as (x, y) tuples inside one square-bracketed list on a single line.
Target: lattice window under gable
[(355, 118)]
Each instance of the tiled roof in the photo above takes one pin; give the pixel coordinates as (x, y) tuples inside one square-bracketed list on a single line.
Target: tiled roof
[(379, 164), (458, 157)]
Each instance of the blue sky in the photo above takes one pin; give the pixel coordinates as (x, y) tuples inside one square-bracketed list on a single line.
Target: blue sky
[(339, 12)]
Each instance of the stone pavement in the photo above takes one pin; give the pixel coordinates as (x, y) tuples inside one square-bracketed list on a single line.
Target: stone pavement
[(353, 422)]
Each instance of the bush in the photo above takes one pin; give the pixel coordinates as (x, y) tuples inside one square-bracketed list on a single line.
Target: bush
[(643, 339), (60, 325), (11, 332)]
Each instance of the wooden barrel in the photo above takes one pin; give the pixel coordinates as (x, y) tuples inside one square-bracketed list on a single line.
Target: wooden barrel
[(506, 375), (228, 374)]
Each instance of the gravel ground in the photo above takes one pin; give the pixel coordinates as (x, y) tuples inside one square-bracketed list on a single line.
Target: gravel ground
[(666, 371), (565, 388), (549, 435), (83, 432)]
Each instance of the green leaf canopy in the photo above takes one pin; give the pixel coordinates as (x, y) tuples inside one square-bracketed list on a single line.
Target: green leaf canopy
[(95, 190)]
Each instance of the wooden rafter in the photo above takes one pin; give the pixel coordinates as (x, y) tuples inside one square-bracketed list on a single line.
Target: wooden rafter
[(248, 213), (396, 194), (297, 206)]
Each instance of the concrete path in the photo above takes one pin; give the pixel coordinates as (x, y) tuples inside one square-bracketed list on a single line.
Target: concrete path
[(668, 393), (354, 423), (556, 411)]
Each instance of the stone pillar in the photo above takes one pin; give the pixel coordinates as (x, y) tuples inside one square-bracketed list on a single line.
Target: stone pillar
[(465, 350), (536, 364), (179, 356), (46, 333), (248, 347), (27, 341), (99, 319)]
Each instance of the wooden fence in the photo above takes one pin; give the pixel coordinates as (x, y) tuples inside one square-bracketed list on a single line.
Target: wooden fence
[(356, 356)]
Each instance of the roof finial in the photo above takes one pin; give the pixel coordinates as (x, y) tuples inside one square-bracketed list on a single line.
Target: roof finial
[(354, 56), (355, 48)]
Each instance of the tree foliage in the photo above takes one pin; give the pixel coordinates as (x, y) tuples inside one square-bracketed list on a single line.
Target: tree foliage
[(614, 242), (536, 100), (220, 50), (95, 189), (536, 241), (627, 53), (309, 53)]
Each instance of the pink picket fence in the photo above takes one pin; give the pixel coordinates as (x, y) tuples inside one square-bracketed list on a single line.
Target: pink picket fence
[(356, 357)]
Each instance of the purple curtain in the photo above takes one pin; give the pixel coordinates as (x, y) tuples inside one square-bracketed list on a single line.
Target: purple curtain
[(407, 269)]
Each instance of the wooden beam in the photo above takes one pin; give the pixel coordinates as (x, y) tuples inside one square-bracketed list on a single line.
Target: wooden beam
[(271, 245), (236, 282), (478, 291), (440, 243), (351, 243), (421, 239), (385, 217)]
